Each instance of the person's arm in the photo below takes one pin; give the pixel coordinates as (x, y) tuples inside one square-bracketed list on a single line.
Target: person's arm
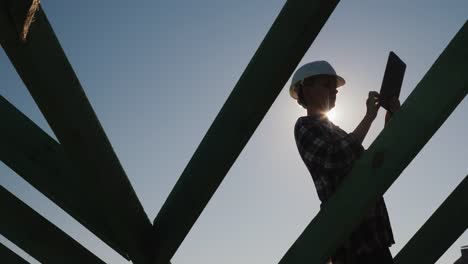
[(373, 106)]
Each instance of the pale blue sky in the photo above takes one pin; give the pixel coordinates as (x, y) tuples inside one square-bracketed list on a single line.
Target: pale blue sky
[(158, 72)]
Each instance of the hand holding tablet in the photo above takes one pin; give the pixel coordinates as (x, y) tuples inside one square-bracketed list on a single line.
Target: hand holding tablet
[(391, 84)]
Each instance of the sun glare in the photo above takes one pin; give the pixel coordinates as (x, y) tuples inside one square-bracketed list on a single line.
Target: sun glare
[(332, 115)]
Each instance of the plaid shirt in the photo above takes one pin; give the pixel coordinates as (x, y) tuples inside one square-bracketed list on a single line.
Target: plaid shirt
[(328, 153)]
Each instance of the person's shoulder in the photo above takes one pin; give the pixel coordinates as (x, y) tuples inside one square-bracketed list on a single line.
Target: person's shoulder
[(308, 122)]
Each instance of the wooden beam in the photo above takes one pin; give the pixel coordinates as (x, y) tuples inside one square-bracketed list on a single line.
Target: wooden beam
[(442, 229), (292, 33), (37, 236), (9, 257), (49, 77), (41, 161)]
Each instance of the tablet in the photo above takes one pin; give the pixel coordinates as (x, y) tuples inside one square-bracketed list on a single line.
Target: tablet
[(393, 79)]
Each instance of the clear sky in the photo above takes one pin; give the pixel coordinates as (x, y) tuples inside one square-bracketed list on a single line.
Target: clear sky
[(158, 72)]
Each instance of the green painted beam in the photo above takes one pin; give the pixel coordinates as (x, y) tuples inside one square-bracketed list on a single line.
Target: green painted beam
[(442, 229), (443, 87), (41, 161), (37, 236), (292, 33), (9, 257), (49, 77)]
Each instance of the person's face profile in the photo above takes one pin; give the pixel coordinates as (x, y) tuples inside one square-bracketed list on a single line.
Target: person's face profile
[(321, 91)]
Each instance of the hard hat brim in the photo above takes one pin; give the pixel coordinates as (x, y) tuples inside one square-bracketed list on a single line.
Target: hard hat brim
[(293, 89)]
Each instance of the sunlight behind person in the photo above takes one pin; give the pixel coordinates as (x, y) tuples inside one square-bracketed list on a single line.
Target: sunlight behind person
[(332, 115)]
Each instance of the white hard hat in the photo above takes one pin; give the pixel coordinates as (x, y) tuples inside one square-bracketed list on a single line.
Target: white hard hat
[(313, 69)]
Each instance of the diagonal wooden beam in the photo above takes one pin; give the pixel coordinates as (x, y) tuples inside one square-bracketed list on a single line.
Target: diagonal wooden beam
[(49, 77), (442, 229), (292, 33), (37, 236), (42, 162), (443, 87), (9, 257)]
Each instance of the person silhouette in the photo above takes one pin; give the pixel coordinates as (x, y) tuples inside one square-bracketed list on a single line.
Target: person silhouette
[(329, 153)]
